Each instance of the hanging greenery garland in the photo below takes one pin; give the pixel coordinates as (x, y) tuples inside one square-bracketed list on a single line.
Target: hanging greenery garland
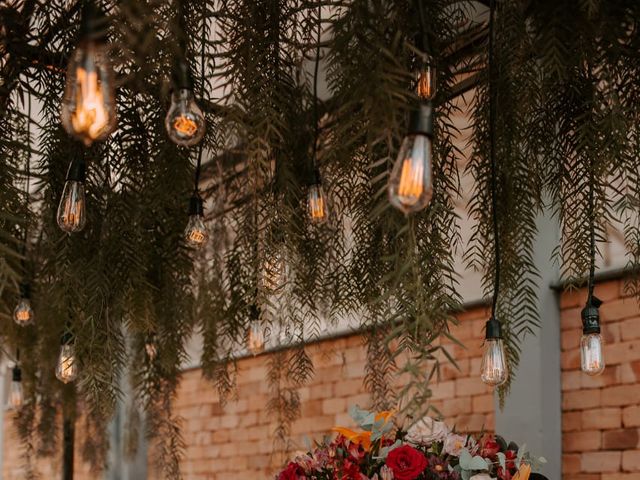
[(126, 289)]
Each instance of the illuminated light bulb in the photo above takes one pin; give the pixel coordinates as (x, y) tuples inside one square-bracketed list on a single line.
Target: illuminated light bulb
[(67, 366), (255, 338), (72, 210), (16, 395), (316, 201), (23, 313), (185, 122), (88, 106), (494, 370), (196, 233), (410, 185), (591, 351), (426, 82)]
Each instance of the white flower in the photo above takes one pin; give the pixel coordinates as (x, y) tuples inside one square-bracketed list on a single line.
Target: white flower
[(386, 473), (427, 431), (481, 476), (454, 444)]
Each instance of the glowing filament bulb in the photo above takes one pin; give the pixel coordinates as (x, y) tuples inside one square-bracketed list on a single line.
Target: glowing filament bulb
[(23, 313), (273, 275), (88, 107), (16, 395), (72, 215), (196, 233), (591, 351), (255, 338), (591, 354), (316, 201), (410, 184), (426, 82), (67, 366), (494, 369)]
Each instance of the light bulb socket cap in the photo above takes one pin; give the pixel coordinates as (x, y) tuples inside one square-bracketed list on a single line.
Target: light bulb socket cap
[(254, 312), (493, 329), (591, 316), (94, 24), (77, 171), (66, 338), (25, 290), (16, 374), (421, 120), (316, 178), (196, 206), (181, 76)]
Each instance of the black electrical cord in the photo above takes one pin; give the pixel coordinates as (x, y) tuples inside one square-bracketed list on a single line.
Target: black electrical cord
[(316, 70), (492, 155), (203, 39), (27, 184), (423, 29), (592, 235)]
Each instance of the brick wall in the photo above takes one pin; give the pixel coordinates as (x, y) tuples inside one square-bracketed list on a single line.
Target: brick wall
[(601, 415)]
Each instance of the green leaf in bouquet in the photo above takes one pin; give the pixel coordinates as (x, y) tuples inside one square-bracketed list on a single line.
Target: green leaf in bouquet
[(521, 452), (502, 459), (363, 418), (471, 463), (384, 451)]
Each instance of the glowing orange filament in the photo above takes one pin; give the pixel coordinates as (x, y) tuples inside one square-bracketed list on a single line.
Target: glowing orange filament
[(425, 87), (185, 126), (411, 181), (90, 116)]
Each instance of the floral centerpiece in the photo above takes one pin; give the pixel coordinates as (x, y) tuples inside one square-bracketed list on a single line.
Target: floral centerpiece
[(428, 450)]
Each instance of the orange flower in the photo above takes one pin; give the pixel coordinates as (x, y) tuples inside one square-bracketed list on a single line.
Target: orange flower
[(359, 438), (386, 415), (523, 472)]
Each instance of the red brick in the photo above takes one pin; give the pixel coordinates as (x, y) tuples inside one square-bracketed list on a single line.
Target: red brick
[(571, 463), (630, 329), (443, 390), (631, 461), (593, 462), (602, 418), (571, 421), (571, 380), (621, 395), (470, 386), (619, 352), (483, 403), (618, 309), (570, 359), (631, 416), (621, 439), (580, 400), (581, 441)]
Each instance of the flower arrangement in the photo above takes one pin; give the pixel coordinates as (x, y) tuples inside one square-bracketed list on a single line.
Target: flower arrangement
[(428, 450)]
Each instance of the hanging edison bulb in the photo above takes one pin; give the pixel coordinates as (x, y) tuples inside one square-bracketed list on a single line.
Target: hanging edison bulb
[(185, 122), (591, 351), (23, 313), (72, 210), (410, 185), (255, 334), (16, 395), (196, 233), (274, 271), (426, 81), (67, 367), (494, 370), (88, 106), (316, 200)]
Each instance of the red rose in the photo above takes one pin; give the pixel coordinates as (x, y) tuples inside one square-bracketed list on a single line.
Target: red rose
[(511, 458), (406, 462), (489, 447), (289, 473)]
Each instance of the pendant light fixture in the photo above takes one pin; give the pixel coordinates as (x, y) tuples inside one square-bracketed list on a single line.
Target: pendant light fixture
[(410, 186), (196, 233), (494, 368), (88, 107), (16, 392), (67, 367), (23, 313), (591, 348), (72, 210), (316, 200), (255, 334), (185, 122)]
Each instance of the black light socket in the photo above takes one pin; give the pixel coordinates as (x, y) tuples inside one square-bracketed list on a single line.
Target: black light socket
[(316, 178), (493, 329), (254, 312), (67, 338), (181, 77), (77, 171), (196, 206), (421, 120), (94, 24), (25, 290), (16, 375), (591, 316)]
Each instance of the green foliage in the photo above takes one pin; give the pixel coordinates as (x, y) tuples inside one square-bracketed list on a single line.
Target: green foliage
[(567, 82)]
